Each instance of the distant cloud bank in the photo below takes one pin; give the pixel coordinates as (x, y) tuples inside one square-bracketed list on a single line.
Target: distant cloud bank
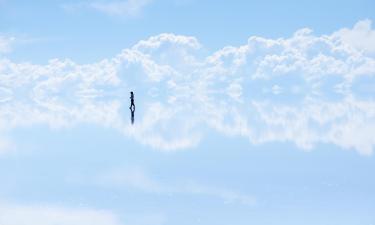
[(13, 214), (128, 8), (304, 89)]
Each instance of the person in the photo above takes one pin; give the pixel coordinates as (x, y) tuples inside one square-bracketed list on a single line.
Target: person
[(132, 105)]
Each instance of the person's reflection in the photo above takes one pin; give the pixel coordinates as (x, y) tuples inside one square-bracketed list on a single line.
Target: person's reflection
[(132, 106), (132, 117)]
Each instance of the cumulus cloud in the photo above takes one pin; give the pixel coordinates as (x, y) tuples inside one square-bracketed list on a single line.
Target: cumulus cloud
[(306, 89), (361, 36), (13, 214)]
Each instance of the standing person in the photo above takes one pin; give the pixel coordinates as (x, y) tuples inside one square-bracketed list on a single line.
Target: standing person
[(132, 105)]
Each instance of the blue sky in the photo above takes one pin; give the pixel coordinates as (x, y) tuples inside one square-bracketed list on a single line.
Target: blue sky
[(247, 112)]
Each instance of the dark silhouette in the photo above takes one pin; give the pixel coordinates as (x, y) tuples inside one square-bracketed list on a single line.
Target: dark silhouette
[(132, 118), (132, 106)]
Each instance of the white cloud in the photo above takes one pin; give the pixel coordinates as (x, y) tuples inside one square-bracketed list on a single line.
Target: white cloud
[(6, 146), (120, 8), (155, 42), (5, 44), (139, 180), (361, 37), (13, 214), (305, 89), (5, 94)]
